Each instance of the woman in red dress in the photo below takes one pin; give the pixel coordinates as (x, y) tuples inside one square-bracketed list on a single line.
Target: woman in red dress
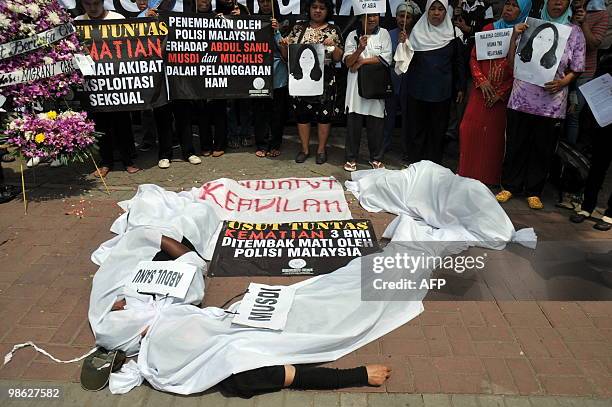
[(482, 131)]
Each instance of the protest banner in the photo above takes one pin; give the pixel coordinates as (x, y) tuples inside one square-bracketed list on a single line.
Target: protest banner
[(214, 57), (129, 66), (265, 306), (166, 278), (276, 200), (540, 50), (493, 44), (290, 249), (369, 7)]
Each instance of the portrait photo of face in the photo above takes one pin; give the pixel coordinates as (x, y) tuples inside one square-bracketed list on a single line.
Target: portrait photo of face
[(306, 69), (540, 50)]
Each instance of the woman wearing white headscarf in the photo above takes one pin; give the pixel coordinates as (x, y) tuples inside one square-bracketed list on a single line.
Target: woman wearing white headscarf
[(435, 76)]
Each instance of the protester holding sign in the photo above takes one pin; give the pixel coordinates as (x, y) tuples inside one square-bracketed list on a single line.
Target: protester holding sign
[(365, 48), (271, 113), (535, 113), (593, 21), (482, 131), (406, 15), (435, 76), (116, 126), (600, 161), (318, 109)]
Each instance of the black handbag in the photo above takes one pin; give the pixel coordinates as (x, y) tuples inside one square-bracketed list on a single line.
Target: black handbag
[(374, 80)]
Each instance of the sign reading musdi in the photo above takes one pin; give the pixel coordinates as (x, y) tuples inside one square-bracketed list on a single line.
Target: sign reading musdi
[(211, 56), (289, 249), (265, 306)]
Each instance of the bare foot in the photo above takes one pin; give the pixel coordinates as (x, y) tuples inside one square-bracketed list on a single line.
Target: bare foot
[(377, 374), (132, 169), (103, 172)]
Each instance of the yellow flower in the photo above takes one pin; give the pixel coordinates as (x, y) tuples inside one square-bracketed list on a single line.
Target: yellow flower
[(52, 114), (39, 138)]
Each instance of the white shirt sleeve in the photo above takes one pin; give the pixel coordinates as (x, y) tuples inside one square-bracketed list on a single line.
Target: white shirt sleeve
[(385, 42), (350, 45)]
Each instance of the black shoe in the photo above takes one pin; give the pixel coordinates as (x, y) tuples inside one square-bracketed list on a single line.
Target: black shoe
[(145, 147), (321, 158), (301, 157), (578, 218)]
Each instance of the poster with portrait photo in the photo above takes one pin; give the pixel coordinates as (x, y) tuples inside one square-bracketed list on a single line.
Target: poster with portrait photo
[(540, 51), (306, 69)]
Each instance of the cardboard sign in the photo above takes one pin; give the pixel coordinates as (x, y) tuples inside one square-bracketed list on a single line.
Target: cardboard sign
[(369, 7), (169, 278), (540, 51), (493, 44), (265, 306), (290, 249)]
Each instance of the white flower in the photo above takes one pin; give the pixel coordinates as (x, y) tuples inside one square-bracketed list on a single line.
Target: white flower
[(71, 45), (47, 60), (4, 21), (28, 135), (33, 10), (29, 29), (17, 8), (53, 18)]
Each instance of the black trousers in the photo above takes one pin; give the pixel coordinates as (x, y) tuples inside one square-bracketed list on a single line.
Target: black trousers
[(163, 121), (183, 114), (272, 378), (272, 114), (530, 147), (375, 127), (212, 114), (425, 130), (600, 162), (117, 129)]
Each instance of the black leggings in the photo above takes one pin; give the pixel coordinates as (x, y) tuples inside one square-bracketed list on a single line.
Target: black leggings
[(272, 378)]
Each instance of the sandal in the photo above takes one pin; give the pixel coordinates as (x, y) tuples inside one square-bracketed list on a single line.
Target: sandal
[(350, 166), (260, 153), (218, 153), (377, 165), (273, 153), (103, 172), (132, 170), (321, 158)]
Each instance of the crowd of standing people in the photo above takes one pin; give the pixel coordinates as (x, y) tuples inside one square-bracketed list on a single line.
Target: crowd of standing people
[(508, 129)]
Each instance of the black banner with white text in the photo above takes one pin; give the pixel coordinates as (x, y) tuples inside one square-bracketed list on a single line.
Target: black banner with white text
[(129, 65), (217, 57), (290, 249)]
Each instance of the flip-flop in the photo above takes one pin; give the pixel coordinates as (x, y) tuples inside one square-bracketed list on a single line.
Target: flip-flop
[(260, 153), (273, 153)]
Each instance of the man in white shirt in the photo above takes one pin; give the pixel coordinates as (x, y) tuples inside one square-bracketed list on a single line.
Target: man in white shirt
[(94, 10)]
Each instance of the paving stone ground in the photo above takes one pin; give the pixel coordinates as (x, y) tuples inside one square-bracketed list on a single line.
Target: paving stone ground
[(509, 345)]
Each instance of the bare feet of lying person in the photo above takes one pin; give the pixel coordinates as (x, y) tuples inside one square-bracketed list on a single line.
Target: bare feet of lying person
[(378, 374)]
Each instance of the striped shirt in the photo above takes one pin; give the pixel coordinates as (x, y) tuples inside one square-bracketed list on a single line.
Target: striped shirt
[(598, 23)]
